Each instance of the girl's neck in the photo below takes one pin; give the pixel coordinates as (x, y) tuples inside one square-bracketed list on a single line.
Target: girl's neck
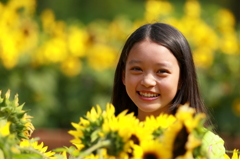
[(142, 115)]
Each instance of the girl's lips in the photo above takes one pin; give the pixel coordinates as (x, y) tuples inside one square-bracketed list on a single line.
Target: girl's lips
[(149, 96)]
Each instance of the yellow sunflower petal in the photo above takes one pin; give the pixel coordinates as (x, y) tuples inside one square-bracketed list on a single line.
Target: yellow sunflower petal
[(4, 128)]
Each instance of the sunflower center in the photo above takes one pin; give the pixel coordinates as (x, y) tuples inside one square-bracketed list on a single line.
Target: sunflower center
[(150, 155), (135, 139)]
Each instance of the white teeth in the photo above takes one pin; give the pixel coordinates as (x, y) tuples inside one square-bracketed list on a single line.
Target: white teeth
[(148, 94)]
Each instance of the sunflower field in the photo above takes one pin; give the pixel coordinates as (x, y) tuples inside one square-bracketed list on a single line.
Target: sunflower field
[(61, 68)]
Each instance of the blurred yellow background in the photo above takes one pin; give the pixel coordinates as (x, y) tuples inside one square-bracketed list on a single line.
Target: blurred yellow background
[(61, 64)]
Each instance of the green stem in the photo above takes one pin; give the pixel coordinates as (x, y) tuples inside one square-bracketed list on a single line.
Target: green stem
[(94, 147), (228, 151)]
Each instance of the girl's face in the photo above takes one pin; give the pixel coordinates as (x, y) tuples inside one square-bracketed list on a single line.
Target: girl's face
[(151, 78)]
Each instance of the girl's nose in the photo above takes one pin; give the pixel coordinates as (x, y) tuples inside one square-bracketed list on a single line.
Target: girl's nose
[(148, 81)]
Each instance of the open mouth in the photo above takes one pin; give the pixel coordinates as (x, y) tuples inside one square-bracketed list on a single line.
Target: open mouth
[(148, 95)]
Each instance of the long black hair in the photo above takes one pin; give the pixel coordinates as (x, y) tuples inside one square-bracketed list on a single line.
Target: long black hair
[(174, 40)]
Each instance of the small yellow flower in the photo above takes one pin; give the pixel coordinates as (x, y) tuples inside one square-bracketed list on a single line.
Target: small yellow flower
[(71, 66), (48, 20), (225, 20), (54, 50), (229, 43), (155, 9), (102, 57), (77, 41), (203, 57), (192, 8)]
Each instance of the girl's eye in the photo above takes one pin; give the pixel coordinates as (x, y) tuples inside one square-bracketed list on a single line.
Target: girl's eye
[(162, 71), (136, 69)]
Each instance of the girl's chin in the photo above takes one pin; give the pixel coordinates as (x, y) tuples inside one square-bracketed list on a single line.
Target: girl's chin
[(154, 109), (149, 109)]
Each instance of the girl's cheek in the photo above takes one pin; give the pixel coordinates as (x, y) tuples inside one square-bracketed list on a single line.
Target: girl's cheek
[(130, 80)]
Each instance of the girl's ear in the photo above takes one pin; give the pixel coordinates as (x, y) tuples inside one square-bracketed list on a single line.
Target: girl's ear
[(123, 77)]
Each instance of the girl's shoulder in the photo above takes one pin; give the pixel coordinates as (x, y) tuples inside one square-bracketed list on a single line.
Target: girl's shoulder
[(213, 145)]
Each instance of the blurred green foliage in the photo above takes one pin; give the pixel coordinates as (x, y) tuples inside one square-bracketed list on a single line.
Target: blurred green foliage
[(60, 76), (88, 11)]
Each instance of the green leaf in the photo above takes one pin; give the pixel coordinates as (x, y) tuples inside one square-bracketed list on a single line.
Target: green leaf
[(94, 135), (27, 156), (60, 149), (213, 144)]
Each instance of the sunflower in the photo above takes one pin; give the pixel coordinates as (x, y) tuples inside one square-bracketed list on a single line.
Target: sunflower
[(86, 133), (156, 125), (78, 133), (151, 149), (190, 145), (175, 138), (91, 156), (124, 124), (188, 116), (11, 111), (102, 154), (88, 136), (94, 113), (110, 111), (32, 146), (29, 128), (184, 136), (120, 131)]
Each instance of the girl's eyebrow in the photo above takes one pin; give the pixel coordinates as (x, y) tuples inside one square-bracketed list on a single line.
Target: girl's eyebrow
[(134, 62), (165, 64)]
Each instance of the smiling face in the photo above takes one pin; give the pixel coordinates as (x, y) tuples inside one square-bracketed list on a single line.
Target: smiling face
[(151, 78)]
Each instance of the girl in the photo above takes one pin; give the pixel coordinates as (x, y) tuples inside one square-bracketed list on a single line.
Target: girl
[(159, 59), (156, 73)]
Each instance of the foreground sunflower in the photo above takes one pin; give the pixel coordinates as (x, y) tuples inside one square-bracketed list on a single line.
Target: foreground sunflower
[(15, 130), (102, 135), (32, 146), (151, 150), (87, 126), (102, 130), (121, 131), (125, 137), (157, 125), (11, 111)]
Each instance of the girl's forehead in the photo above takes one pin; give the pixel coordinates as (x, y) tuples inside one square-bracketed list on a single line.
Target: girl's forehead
[(150, 53)]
